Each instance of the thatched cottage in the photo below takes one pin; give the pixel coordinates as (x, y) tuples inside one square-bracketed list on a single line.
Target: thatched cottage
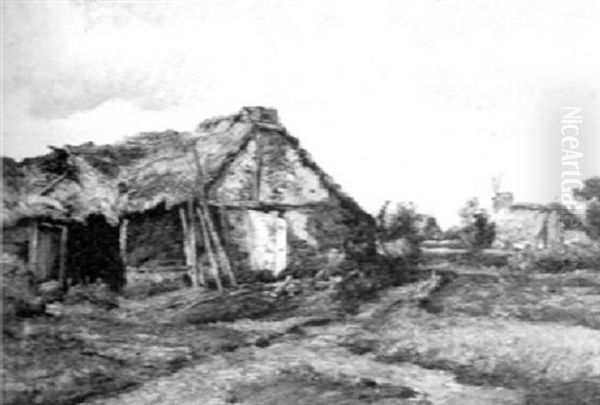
[(269, 205)]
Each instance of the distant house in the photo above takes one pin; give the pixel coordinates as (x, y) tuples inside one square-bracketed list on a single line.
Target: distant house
[(538, 226), (272, 206)]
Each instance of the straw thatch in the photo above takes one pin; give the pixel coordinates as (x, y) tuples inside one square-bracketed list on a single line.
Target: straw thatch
[(138, 173)]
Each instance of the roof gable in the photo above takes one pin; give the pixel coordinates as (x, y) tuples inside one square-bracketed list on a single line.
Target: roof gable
[(151, 168)]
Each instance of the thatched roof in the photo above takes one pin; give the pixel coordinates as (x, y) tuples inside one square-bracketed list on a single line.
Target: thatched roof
[(59, 186), (167, 173), (137, 173)]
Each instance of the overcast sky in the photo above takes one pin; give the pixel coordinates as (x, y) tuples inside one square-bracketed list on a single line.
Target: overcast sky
[(418, 101)]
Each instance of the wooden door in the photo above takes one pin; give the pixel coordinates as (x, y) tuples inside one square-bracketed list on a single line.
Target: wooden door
[(48, 253), (268, 241)]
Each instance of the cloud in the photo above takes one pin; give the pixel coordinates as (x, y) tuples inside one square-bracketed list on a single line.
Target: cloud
[(396, 100), (76, 56)]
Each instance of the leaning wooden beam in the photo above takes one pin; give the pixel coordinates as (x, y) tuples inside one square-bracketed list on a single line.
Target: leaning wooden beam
[(123, 240), (204, 212), (50, 186), (204, 216), (62, 269), (33, 247), (221, 254), (259, 165), (192, 238), (214, 267), (186, 237), (226, 237)]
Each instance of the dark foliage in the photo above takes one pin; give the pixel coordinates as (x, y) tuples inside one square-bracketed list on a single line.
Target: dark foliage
[(477, 231), (481, 233), (591, 193)]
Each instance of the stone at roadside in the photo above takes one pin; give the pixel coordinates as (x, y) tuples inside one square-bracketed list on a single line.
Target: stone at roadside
[(50, 291), (55, 309)]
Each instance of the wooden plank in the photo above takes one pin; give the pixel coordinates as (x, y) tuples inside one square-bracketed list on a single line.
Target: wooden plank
[(62, 267), (123, 240), (214, 268), (225, 231), (222, 260), (221, 255), (53, 184), (193, 249), (204, 217), (259, 158), (33, 247), (250, 205), (186, 237)]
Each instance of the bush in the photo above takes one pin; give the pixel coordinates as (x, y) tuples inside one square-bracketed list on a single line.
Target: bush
[(400, 225), (477, 231), (149, 287), (97, 293), (554, 261), (481, 233), (363, 280)]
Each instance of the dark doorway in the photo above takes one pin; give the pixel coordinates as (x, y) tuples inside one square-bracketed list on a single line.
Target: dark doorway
[(93, 253)]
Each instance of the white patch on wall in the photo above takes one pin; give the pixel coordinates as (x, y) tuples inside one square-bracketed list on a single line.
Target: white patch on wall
[(267, 239)]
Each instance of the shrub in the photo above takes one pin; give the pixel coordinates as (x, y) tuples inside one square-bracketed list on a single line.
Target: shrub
[(362, 281), (97, 293), (401, 224), (591, 193), (477, 231), (554, 261)]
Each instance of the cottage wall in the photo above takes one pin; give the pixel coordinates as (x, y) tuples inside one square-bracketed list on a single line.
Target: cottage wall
[(155, 237), (268, 179), (284, 177), (15, 240), (238, 184), (318, 224)]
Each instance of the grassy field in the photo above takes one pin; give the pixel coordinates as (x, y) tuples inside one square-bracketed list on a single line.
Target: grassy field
[(533, 332)]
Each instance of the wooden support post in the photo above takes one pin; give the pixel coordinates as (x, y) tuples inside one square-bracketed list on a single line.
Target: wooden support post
[(123, 240), (186, 237), (62, 269), (193, 249), (33, 247), (221, 254), (259, 165), (225, 232), (214, 267)]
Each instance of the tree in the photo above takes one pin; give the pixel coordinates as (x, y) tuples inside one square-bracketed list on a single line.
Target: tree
[(591, 193), (400, 224), (590, 190), (476, 230), (432, 230)]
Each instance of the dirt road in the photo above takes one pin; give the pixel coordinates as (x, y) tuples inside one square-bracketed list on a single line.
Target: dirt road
[(311, 365)]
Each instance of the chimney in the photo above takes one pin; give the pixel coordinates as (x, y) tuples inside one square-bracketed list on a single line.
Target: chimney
[(260, 114), (501, 200)]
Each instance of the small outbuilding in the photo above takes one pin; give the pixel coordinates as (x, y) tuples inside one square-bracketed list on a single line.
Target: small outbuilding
[(59, 219), (537, 226)]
